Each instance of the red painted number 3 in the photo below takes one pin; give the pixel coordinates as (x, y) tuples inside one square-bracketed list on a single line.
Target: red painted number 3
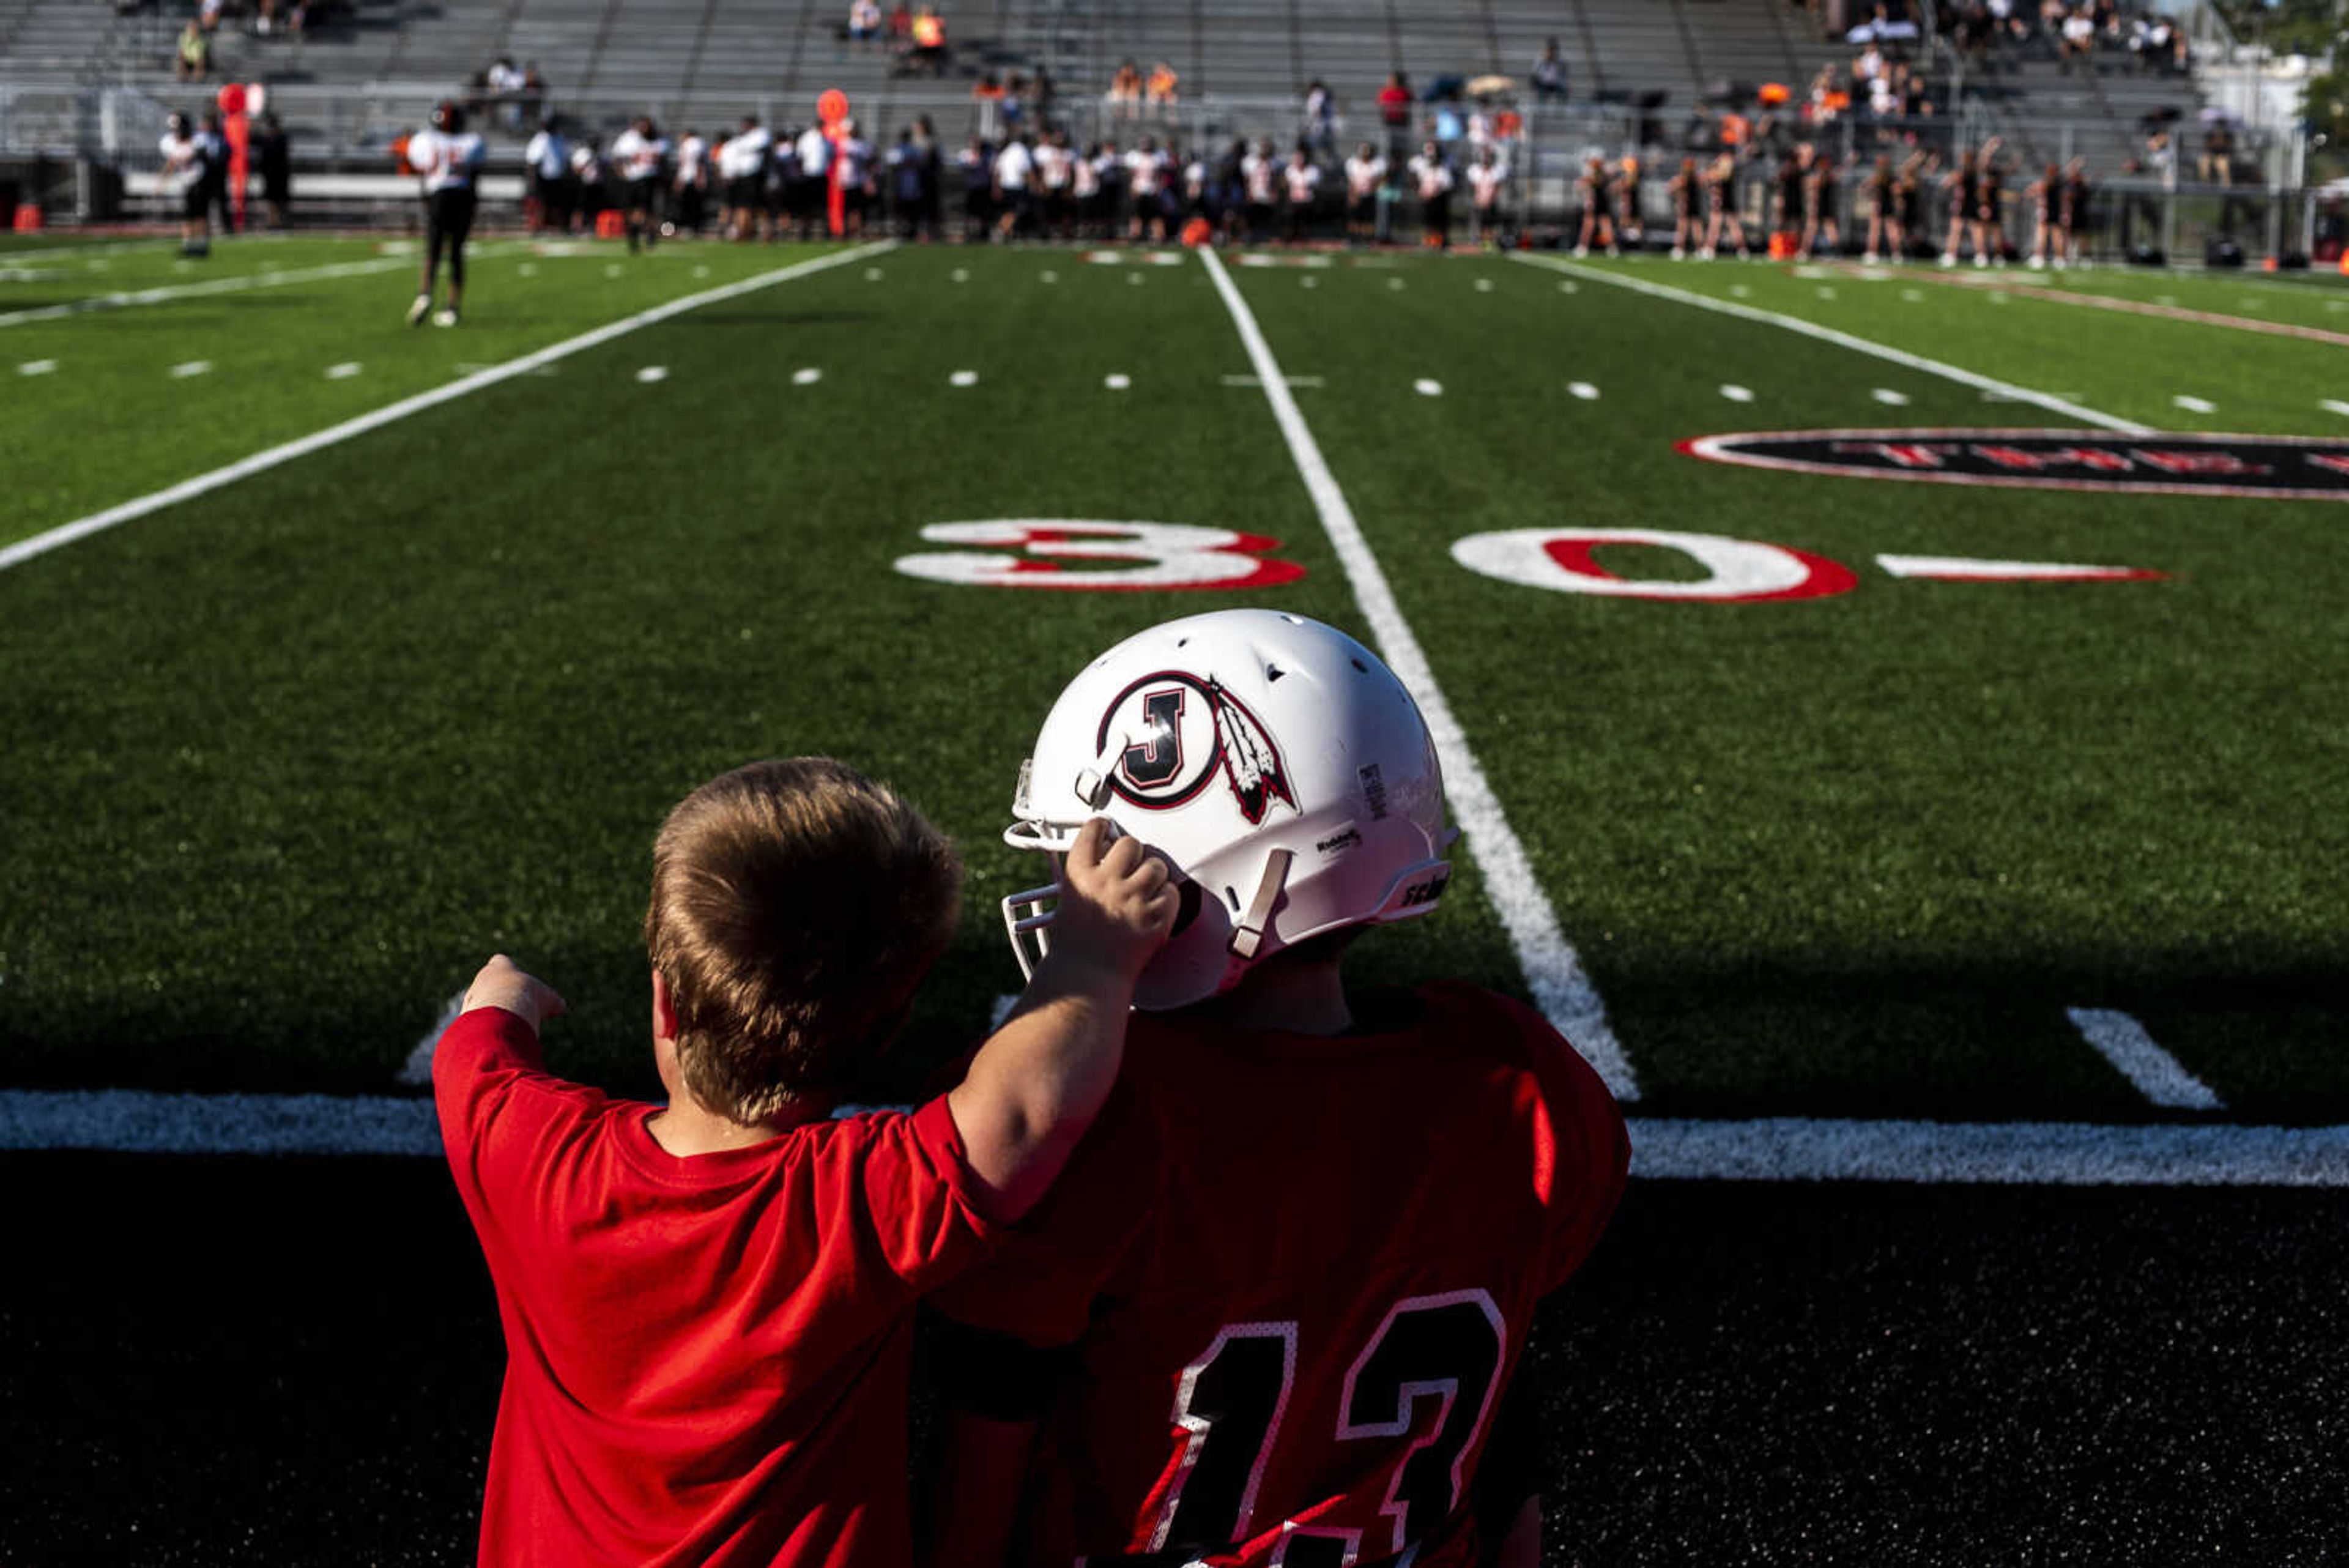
[(1079, 554)]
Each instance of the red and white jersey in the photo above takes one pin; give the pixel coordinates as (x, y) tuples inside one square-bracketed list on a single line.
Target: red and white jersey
[(1363, 176), (1086, 178), (445, 160), (1256, 172), (708, 1357), (185, 161), (1303, 179), (1144, 171), (1297, 1271), (1054, 166), (638, 157), (692, 152), (1484, 183), (1432, 176)]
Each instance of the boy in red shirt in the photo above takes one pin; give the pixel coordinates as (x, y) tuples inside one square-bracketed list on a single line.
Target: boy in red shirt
[(1271, 1313), (707, 1306)]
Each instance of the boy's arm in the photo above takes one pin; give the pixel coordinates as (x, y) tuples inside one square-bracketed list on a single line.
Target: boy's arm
[(1038, 1083)]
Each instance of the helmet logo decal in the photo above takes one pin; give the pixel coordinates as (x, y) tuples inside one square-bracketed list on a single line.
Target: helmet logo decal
[(1180, 731)]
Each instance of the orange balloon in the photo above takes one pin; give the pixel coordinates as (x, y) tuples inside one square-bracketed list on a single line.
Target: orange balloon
[(833, 107)]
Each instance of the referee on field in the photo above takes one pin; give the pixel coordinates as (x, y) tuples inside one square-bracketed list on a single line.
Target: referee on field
[(447, 156)]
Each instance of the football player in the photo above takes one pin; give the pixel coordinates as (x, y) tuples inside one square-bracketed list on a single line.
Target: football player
[(1271, 1313), (187, 162), (446, 157), (641, 152)]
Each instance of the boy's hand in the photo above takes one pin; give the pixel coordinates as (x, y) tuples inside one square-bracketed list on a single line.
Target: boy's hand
[(1117, 904), (503, 984)]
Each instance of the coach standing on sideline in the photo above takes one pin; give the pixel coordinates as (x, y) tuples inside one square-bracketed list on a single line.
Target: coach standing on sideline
[(447, 156)]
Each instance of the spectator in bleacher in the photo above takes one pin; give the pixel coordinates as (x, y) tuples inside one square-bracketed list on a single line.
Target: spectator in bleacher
[(273, 160), (208, 15), (1432, 181), (1394, 111), (1319, 128), (689, 189), (1163, 91), (901, 27), (533, 93), (931, 51), (1366, 170), (1548, 72), (987, 108), (2216, 166), (1593, 190), (1721, 213), (864, 21), (742, 168), (641, 154), (546, 172), (2078, 40), (1014, 104), (193, 61), (1124, 95), (1300, 182), (184, 181)]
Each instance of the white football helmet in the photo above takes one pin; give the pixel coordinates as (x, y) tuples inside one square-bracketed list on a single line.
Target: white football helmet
[(1279, 765)]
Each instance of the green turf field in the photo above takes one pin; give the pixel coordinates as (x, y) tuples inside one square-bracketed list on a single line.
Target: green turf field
[(287, 759)]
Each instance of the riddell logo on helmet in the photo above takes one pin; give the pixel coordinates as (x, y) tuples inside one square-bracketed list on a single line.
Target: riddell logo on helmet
[(1182, 732), (1338, 843)]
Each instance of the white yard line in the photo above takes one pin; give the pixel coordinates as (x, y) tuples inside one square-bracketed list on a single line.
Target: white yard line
[(2068, 1154), (1553, 970), (1857, 345), (2160, 1076), (391, 413)]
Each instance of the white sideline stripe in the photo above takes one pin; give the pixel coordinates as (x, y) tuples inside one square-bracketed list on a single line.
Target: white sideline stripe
[(1857, 345), (1553, 970), (390, 413), (2063, 1154), (2159, 1075), (165, 294)]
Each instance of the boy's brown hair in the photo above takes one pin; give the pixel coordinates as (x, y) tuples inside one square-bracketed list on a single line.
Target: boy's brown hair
[(795, 906)]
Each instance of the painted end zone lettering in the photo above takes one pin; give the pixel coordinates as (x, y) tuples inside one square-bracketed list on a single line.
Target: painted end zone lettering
[(2283, 468)]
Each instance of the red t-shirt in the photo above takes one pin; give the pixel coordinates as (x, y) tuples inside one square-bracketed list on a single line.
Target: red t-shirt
[(1301, 1269), (706, 1357)]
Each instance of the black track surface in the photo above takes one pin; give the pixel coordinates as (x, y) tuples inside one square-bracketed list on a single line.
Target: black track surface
[(296, 1362)]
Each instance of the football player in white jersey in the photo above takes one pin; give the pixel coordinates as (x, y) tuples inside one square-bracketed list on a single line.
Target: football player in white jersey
[(1431, 174), (446, 157), (1055, 176), (1487, 176), (1366, 170), (854, 156), (638, 154), (1259, 177), (691, 184), (811, 184), (1300, 181), (742, 164), (187, 170), (1145, 168)]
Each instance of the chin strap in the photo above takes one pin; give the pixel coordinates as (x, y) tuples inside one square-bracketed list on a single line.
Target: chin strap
[(1249, 935)]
